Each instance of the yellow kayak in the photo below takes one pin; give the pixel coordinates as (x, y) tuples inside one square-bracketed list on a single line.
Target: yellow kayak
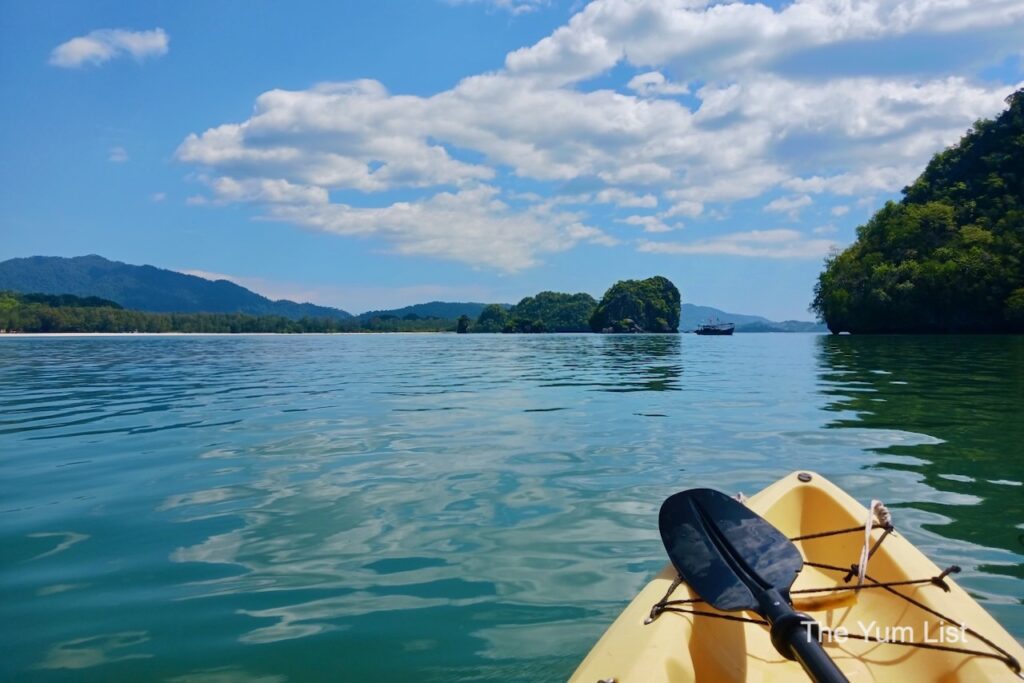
[(933, 630)]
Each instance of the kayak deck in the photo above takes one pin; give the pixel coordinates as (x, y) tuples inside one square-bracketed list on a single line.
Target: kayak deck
[(687, 647)]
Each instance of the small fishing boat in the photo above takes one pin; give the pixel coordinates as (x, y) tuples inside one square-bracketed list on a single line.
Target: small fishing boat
[(907, 621), (714, 327)]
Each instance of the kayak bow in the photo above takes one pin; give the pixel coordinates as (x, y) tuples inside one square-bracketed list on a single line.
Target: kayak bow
[(934, 630)]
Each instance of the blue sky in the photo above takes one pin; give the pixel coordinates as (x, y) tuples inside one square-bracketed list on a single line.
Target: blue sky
[(376, 154)]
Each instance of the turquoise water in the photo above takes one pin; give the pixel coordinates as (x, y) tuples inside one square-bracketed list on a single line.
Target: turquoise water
[(442, 507)]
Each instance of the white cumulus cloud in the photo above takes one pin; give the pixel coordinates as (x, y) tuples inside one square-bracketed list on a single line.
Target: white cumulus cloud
[(788, 205), (685, 207), (648, 223), (654, 83), (270, 190), (777, 244), (511, 6), (473, 226), (870, 179), (619, 197), (750, 129), (105, 44), (711, 40)]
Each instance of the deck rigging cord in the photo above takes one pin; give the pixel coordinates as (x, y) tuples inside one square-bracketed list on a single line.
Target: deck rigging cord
[(876, 509), (878, 516)]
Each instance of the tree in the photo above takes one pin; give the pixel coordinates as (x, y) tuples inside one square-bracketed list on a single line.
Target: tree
[(463, 324), (493, 318)]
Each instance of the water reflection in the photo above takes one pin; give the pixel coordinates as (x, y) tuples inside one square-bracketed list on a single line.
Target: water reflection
[(68, 539), (608, 363), (225, 675), (83, 653), (965, 392), (643, 362)]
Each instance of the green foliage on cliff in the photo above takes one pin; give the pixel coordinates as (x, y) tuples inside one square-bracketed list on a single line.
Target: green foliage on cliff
[(545, 312), (553, 312), (949, 257), (650, 305), (493, 318)]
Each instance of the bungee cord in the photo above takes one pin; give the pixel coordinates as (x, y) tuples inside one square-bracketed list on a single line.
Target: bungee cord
[(881, 516)]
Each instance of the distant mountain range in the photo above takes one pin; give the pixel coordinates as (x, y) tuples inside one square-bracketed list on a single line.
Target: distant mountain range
[(784, 326), (147, 288), (692, 315)]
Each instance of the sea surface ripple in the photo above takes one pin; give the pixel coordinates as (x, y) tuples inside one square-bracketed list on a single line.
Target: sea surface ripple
[(448, 507)]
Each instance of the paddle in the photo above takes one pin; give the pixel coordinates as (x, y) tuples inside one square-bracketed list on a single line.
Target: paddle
[(735, 560)]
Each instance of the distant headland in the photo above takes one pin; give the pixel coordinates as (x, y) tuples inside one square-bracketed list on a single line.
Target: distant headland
[(86, 294), (651, 305)]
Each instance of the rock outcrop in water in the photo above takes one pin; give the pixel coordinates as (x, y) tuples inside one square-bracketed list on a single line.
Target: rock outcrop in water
[(650, 305)]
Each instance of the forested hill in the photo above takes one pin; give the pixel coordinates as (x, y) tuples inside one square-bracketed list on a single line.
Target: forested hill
[(949, 257), (146, 288), (650, 305), (446, 310)]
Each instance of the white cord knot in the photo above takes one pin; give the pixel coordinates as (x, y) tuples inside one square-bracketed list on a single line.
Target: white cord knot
[(882, 514)]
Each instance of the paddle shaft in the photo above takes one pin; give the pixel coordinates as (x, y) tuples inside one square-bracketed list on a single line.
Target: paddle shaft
[(796, 636)]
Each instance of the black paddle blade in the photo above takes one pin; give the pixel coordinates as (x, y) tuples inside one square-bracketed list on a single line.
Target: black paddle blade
[(727, 553)]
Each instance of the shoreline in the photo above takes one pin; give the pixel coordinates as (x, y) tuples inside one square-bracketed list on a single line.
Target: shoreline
[(72, 335), (36, 335)]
